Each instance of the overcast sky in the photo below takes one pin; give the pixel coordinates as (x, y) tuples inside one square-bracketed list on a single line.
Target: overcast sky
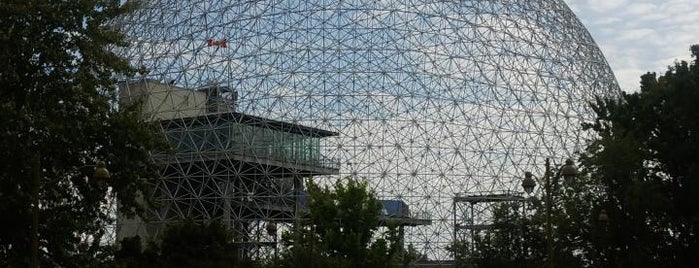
[(638, 36)]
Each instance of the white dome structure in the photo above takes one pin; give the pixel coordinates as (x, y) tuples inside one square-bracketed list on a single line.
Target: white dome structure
[(424, 99)]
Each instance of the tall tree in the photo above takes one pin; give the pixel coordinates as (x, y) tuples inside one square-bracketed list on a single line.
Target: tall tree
[(57, 119), (646, 159), (342, 230)]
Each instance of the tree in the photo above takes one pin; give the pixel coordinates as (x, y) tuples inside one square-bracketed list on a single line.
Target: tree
[(57, 119), (646, 159), (185, 244), (342, 230), (514, 240)]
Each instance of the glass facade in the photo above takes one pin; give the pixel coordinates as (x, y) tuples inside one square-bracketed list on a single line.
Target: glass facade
[(238, 138)]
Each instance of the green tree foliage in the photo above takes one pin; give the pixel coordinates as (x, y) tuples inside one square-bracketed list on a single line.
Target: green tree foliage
[(186, 244), (646, 159), (513, 241), (342, 230), (411, 255), (58, 117)]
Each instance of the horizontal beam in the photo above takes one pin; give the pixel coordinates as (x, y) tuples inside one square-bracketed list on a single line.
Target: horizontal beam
[(488, 198)]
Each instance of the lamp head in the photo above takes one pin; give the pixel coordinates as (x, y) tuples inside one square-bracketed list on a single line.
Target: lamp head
[(528, 183), (101, 172), (569, 171)]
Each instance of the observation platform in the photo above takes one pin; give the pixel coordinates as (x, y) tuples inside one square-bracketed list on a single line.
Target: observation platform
[(397, 212), (473, 199)]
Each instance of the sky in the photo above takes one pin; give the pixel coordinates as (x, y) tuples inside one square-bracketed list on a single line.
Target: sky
[(639, 36)]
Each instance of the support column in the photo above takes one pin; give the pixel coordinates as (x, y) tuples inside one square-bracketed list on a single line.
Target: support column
[(298, 184)]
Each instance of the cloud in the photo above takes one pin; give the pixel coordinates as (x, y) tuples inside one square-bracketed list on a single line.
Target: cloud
[(605, 5), (641, 9), (641, 35), (636, 34)]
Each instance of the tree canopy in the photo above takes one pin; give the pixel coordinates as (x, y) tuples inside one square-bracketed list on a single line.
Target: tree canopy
[(57, 119), (646, 159), (342, 230), (184, 244)]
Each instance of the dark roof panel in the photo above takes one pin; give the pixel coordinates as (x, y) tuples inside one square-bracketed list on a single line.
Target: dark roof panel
[(256, 121)]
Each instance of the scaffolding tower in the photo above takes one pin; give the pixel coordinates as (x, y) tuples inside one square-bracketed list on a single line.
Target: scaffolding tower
[(473, 213)]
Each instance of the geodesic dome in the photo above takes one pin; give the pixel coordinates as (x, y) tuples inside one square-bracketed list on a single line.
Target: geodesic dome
[(429, 98)]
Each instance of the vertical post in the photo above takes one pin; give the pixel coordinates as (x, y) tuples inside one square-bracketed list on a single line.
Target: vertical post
[(549, 231), (36, 170), (454, 242), (275, 244), (524, 224), (473, 231), (297, 202), (401, 243), (227, 195)]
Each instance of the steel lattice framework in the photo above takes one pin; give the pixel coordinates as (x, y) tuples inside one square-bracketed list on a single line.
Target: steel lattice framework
[(424, 98)]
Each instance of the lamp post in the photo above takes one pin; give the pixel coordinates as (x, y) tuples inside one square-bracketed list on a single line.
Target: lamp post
[(101, 175), (568, 172)]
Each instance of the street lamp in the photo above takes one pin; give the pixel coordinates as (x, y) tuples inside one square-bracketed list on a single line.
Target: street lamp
[(568, 172)]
